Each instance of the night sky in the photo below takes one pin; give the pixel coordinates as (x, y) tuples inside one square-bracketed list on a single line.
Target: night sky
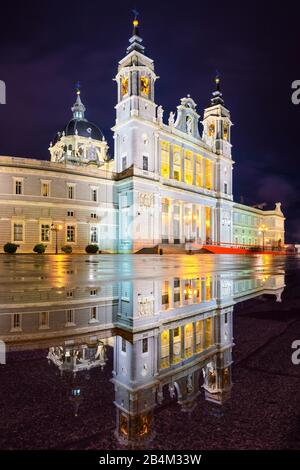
[(47, 46)]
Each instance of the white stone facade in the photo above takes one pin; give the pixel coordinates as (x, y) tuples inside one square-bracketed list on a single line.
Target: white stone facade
[(168, 183)]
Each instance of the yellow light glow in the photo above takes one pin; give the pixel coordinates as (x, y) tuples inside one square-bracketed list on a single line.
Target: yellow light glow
[(60, 227), (135, 23)]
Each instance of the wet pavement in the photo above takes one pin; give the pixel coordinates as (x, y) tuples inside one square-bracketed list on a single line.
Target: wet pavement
[(87, 364)]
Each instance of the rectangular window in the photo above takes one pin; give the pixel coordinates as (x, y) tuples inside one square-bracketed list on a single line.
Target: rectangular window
[(71, 191), (124, 163), (145, 345), (71, 233), (165, 160), (225, 188), (93, 292), (165, 294), (45, 233), (188, 167), (70, 317), (69, 293), (18, 186), (145, 163), (44, 320), (94, 194), (18, 232), (177, 163), (70, 213), (123, 347), (93, 215), (45, 189), (94, 234)]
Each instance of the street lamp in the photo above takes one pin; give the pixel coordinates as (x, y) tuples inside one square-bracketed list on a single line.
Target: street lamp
[(56, 228), (262, 229)]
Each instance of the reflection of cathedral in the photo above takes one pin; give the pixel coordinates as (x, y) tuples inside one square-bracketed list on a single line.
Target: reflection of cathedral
[(168, 182), (171, 337)]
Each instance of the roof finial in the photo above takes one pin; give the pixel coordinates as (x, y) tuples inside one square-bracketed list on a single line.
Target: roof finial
[(135, 40), (78, 108), (217, 97)]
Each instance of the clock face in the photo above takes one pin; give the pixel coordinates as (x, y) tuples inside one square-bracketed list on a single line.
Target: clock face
[(211, 130), (145, 85), (124, 86)]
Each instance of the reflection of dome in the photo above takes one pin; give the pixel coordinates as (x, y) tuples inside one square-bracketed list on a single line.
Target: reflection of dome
[(80, 127)]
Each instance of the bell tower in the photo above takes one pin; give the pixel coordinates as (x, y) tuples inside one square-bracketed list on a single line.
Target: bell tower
[(217, 124), (136, 108)]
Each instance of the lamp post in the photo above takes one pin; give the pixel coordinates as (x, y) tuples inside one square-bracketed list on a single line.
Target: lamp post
[(56, 228), (262, 229)]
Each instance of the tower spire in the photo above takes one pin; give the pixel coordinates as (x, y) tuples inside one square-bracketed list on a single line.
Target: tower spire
[(78, 109), (217, 97), (135, 42)]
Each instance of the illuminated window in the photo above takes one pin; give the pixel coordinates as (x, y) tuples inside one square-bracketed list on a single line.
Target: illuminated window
[(165, 294), (199, 335), (208, 289), (208, 332), (45, 189), (145, 85), (189, 340), (164, 349), (207, 223), (177, 163), (165, 160), (199, 178), (45, 233), (226, 131), (188, 167), (19, 186), (211, 130), (18, 232), (176, 345), (145, 345)]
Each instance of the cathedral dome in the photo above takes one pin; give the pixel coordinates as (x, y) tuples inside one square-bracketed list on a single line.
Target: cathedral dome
[(80, 127)]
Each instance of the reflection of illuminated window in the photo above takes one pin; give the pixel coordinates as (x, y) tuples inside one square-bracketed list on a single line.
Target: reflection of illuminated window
[(199, 179), (123, 425)]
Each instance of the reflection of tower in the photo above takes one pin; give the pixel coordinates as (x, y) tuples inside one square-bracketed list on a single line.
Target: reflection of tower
[(74, 362), (135, 388)]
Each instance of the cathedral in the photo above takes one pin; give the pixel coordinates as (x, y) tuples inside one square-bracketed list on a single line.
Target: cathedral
[(168, 184)]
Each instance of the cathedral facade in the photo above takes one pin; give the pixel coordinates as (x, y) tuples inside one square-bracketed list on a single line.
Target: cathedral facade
[(168, 184)]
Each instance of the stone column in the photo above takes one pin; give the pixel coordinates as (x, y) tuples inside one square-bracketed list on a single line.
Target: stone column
[(182, 222), (203, 224), (203, 290), (194, 169), (182, 164), (194, 338), (171, 345), (170, 220), (171, 295), (182, 341)]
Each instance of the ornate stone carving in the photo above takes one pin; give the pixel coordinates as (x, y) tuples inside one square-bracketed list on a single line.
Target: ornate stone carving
[(145, 200)]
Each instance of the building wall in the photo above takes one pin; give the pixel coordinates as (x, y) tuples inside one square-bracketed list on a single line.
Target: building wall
[(31, 209)]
